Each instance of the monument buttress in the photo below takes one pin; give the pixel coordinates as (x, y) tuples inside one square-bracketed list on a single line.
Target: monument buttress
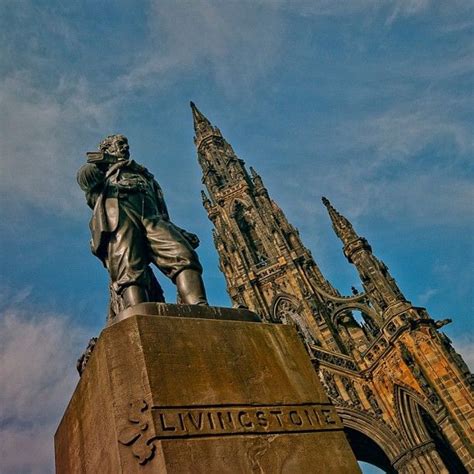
[(402, 391)]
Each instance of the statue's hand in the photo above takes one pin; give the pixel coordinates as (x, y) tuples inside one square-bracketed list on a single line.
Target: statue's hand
[(90, 177)]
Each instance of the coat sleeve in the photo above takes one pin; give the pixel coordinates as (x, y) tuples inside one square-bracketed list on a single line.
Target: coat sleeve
[(161, 201), (91, 180)]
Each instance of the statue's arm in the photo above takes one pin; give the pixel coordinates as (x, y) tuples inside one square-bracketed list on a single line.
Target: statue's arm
[(91, 180), (161, 201)]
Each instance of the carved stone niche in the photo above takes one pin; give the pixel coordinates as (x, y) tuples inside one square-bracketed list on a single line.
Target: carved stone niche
[(372, 400), (331, 388), (391, 328), (351, 391)]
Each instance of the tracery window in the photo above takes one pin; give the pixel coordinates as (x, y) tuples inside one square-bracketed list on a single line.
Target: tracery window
[(247, 228), (286, 312)]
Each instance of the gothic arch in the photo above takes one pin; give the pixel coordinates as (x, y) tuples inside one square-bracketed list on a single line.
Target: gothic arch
[(359, 426), (358, 420), (407, 405), (421, 427), (281, 299), (287, 310), (355, 332), (352, 305), (235, 202)]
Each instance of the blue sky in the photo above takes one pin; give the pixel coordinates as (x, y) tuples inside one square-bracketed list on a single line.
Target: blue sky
[(368, 102)]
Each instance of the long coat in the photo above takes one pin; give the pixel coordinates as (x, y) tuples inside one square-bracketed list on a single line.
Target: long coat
[(103, 198)]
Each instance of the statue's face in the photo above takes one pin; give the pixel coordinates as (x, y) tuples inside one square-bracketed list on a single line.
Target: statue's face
[(119, 148)]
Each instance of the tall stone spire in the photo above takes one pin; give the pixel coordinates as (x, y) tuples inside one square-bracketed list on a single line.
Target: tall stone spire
[(221, 166), (202, 126), (266, 266), (340, 224), (380, 286)]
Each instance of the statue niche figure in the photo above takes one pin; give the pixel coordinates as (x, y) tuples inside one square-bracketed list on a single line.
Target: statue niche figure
[(131, 228)]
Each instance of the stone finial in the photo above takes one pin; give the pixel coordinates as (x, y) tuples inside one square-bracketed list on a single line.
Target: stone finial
[(201, 123), (341, 225)]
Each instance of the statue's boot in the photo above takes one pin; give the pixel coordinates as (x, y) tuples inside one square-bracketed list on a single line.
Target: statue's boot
[(133, 295), (191, 287)]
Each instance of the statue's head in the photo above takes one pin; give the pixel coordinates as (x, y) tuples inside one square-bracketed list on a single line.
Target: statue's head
[(116, 145)]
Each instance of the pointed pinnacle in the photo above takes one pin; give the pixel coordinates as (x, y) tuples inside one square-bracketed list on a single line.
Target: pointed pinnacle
[(200, 122), (194, 109), (196, 112), (340, 224)]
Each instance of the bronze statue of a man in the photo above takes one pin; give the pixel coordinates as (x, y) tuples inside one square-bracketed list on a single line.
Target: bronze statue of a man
[(131, 228)]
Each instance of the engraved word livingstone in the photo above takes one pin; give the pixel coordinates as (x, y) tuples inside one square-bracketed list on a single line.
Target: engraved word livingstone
[(243, 419), (230, 420), (225, 420)]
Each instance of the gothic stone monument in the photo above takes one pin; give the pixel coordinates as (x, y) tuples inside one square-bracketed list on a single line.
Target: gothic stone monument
[(187, 388), (404, 395)]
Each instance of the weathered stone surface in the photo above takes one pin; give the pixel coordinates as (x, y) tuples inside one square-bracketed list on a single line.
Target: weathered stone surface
[(187, 311), (193, 395)]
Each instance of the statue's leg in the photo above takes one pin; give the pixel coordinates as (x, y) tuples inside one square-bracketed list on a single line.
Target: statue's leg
[(127, 258), (133, 295), (191, 287), (174, 256)]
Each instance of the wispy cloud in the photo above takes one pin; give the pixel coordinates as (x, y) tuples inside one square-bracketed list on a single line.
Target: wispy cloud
[(227, 40), (426, 296), (42, 139), (229, 45), (405, 8), (406, 129), (439, 194), (10, 298), (237, 43), (393, 8), (405, 154), (37, 369), (465, 347), (389, 11)]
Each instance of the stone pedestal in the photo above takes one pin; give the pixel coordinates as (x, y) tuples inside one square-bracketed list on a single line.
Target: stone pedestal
[(181, 389)]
